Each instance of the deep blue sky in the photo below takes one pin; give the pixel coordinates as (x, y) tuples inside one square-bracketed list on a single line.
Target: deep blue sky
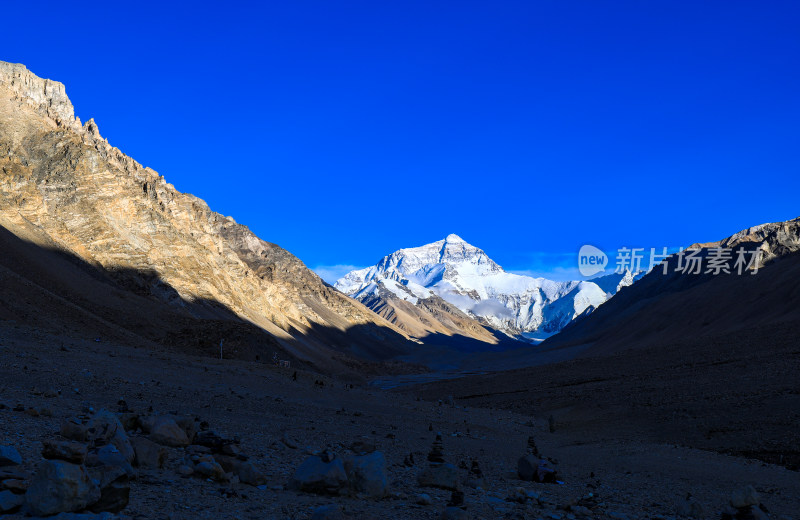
[(345, 130)]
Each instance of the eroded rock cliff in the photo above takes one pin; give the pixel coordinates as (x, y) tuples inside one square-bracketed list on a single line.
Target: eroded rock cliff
[(64, 187)]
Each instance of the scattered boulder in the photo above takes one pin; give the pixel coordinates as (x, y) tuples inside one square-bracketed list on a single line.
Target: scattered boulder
[(746, 504), (246, 471), (105, 428), (9, 502), (521, 495), (456, 499), (110, 469), (367, 474), (195, 449), (9, 456), (248, 474), (534, 469), (69, 451), (104, 475), (165, 431), (75, 430), (16, 486), (745, 497), (114, 496), (315, 475), (130, 421), (147, 422), (232, 450), (210, 469), (16, 473), (288, 441), (189, 425), (60, 486), (149, 455), (110, 457), (210, 439), (423, 499)]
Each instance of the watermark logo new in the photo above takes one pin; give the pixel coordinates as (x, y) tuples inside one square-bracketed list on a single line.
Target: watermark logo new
[(591, 260)]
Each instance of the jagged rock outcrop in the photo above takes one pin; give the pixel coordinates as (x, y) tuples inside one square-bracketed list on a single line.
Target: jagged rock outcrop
[(45, 96), (773, 239), (64, 188), (663, 309)]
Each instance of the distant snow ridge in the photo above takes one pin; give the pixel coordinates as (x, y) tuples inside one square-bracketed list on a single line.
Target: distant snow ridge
[(466, 277)]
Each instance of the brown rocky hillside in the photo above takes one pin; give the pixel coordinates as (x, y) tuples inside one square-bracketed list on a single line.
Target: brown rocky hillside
[(91, 232)]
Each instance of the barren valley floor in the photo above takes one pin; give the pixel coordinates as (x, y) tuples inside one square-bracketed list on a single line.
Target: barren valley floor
[(627, 477)]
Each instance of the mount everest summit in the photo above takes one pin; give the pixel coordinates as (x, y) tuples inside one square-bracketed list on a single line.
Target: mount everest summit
[(462, 282)]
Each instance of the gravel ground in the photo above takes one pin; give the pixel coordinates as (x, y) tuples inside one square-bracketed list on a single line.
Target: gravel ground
[(627, 478)]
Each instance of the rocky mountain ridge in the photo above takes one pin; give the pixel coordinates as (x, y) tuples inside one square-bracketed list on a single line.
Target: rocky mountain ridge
[(63, 186), (661, 308)]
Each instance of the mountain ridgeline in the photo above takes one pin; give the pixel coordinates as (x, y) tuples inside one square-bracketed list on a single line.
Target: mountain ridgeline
[(100, 244), (452, 285)]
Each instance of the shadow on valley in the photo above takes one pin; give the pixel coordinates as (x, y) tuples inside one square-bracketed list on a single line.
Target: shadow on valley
[(47, 288), (708, 362), (50, 289)]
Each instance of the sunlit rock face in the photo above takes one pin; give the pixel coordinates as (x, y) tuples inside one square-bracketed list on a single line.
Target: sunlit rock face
[(70, 189)]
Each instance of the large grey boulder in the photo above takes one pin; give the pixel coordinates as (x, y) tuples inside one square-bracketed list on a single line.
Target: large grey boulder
[(9, 502), (105, 428), (745, 497), (113, 480), (59, 487), (367, 475), (149, 455), (210, 469), (245, 470), (317, 476), (74, 430), (114, 496), (109, 458), (69, 451), (165, 431), (9, 456), (534, 469), (189, 426)]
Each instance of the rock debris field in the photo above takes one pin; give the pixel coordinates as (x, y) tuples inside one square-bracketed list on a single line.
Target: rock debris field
[(95, 430)]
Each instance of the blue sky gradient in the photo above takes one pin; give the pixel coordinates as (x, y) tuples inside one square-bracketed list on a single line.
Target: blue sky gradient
[(346, 130)]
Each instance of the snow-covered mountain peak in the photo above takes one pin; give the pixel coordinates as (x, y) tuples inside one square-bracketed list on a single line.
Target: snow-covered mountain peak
[(465, 276)]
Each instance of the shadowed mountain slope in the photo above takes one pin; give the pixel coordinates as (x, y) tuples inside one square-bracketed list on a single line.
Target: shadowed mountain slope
[(706, 361), (64, 188), (661, 308)]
